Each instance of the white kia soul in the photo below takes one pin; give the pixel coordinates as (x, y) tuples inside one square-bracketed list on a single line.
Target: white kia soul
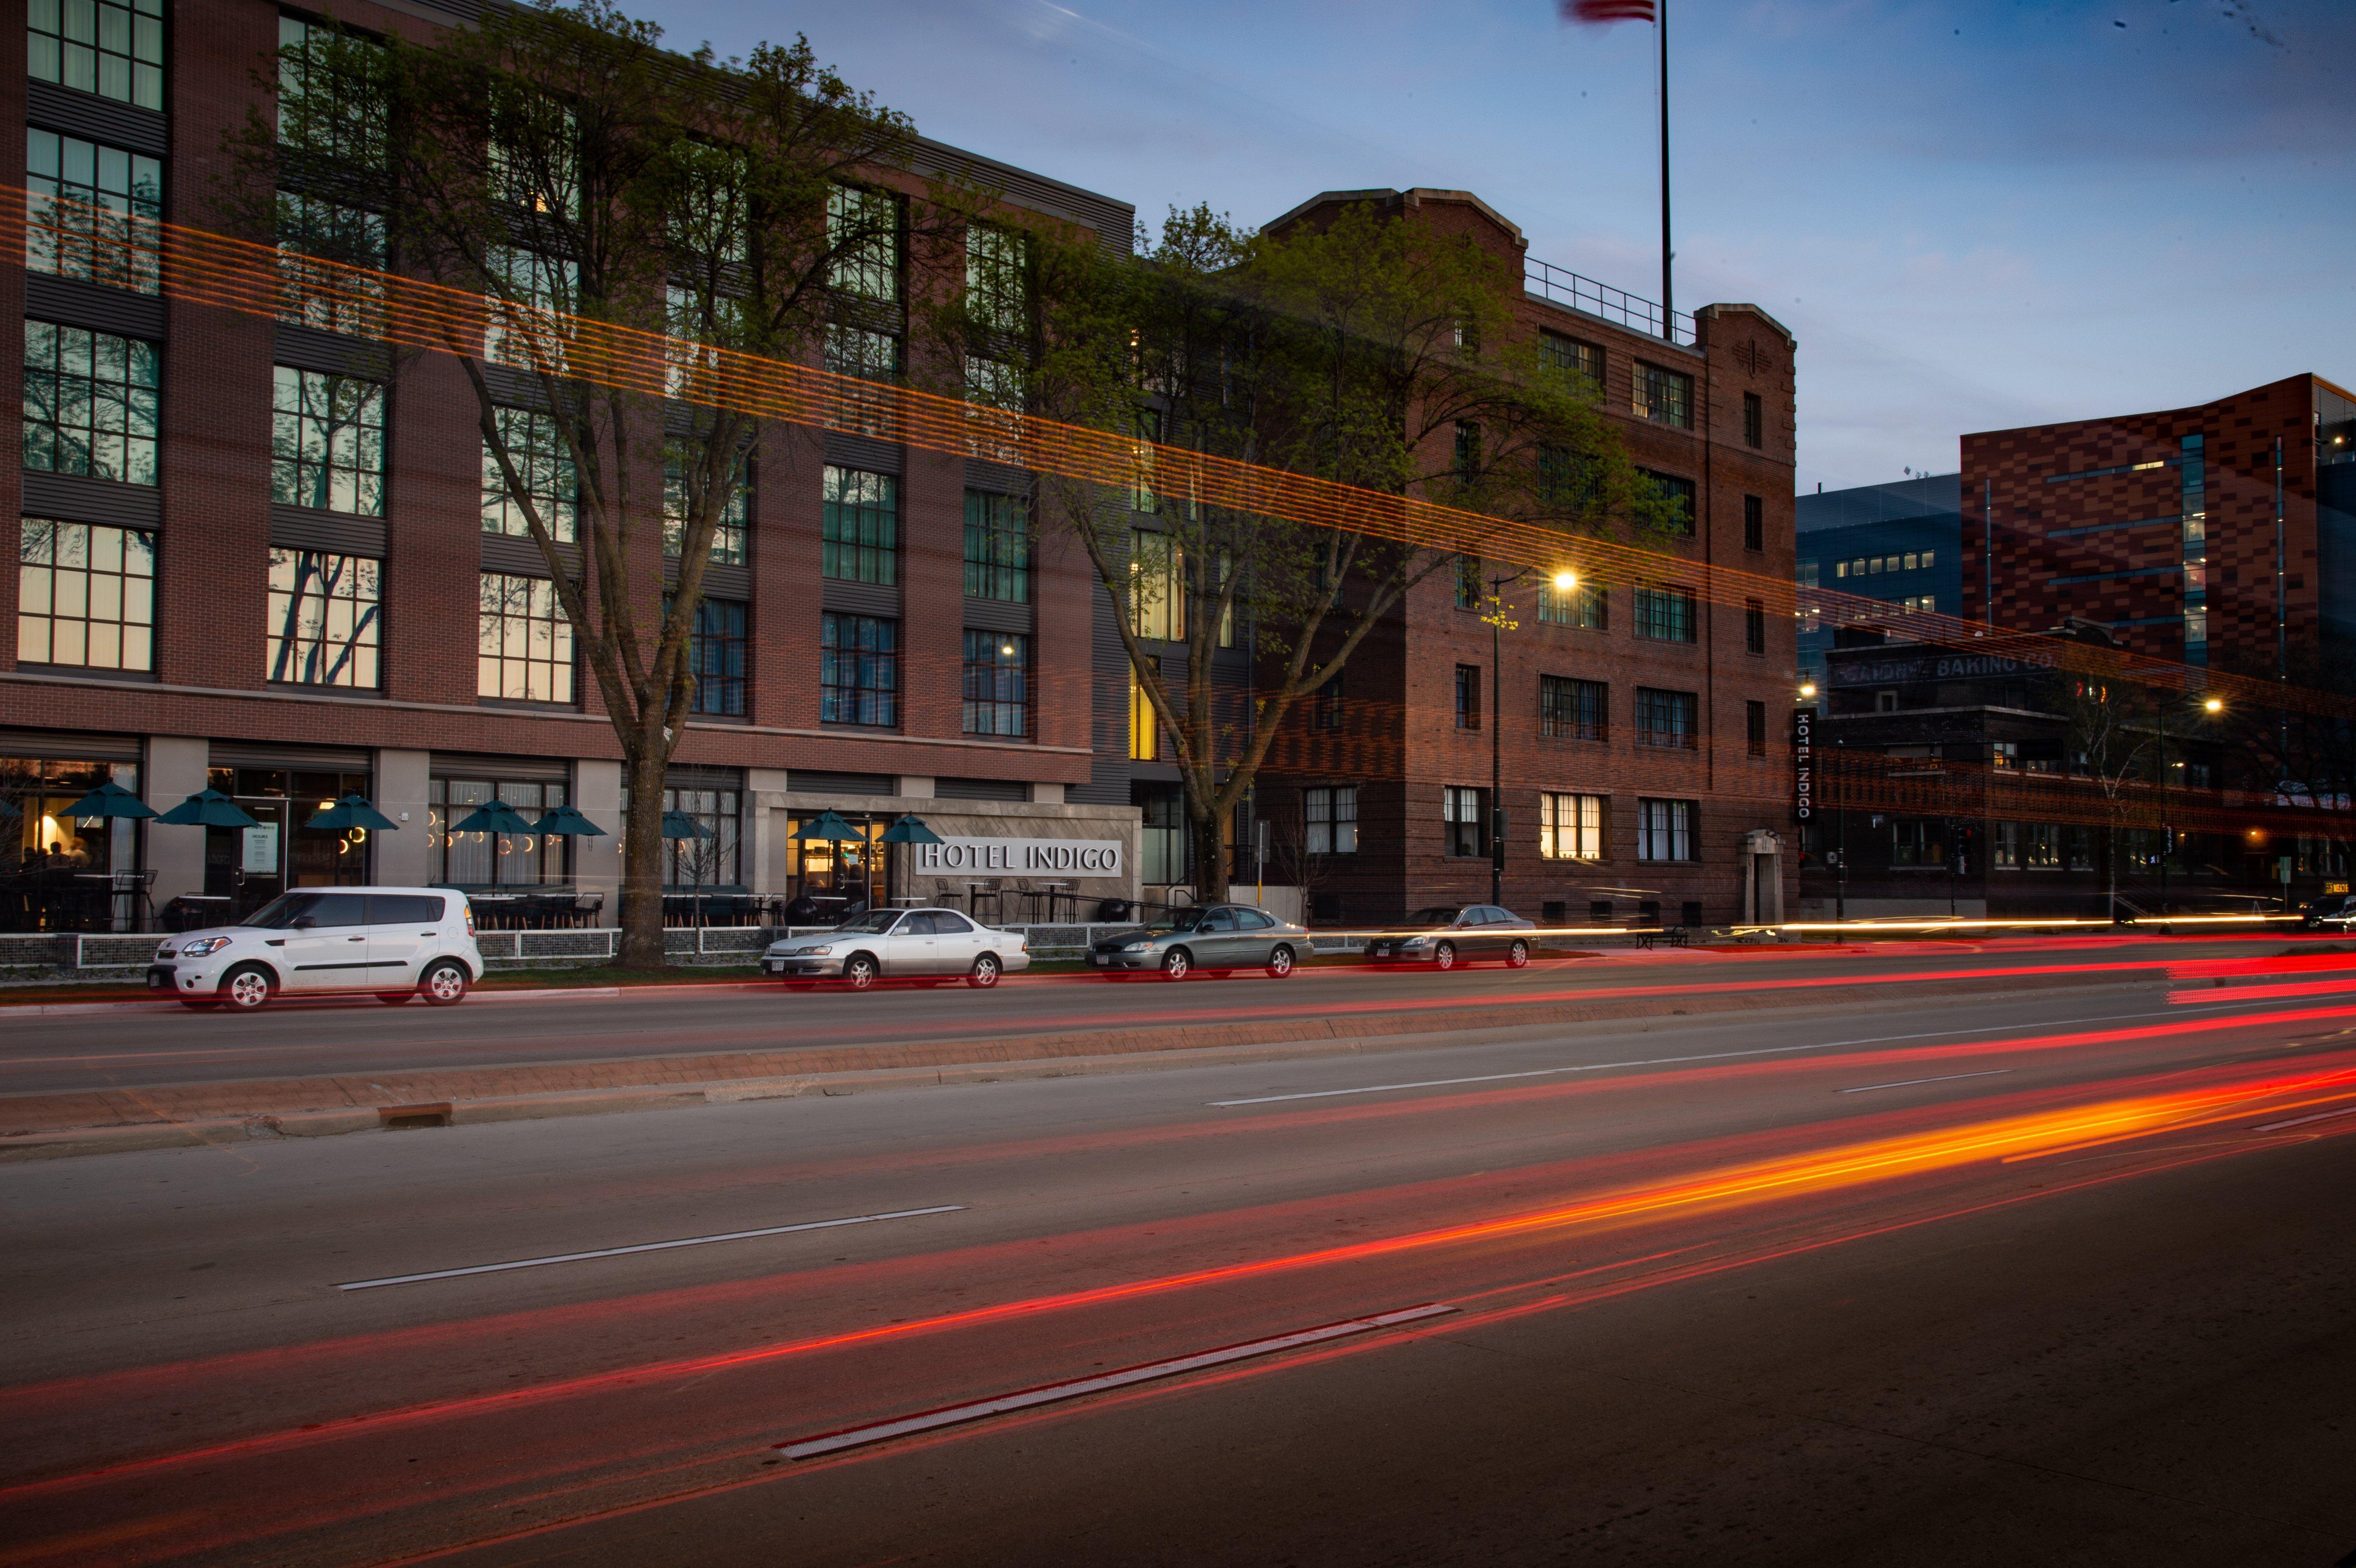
[(398, 943)]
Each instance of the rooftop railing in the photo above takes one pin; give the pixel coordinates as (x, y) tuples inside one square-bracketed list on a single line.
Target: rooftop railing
[(1559, 286)]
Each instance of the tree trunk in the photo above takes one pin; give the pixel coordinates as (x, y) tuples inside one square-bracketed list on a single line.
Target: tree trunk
[(642, 864), (1210, 857)]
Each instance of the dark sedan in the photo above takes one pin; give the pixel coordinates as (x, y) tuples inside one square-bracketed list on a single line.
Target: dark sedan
[(1445, 935), (1216, 939)]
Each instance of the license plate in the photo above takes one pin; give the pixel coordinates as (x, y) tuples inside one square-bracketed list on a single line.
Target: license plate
[(1101, 958), (159, 982), (774, 968)]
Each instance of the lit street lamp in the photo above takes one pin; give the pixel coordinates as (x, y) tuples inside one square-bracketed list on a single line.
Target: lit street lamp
[(1564, 582)]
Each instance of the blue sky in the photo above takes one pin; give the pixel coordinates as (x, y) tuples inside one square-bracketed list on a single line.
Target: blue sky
[(1970, 215)]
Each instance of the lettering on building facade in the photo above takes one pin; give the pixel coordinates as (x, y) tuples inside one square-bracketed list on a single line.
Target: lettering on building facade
[(1803, 764), (1021, 857)]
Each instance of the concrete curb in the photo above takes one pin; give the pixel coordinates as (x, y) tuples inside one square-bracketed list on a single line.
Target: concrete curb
[(45, 1125)]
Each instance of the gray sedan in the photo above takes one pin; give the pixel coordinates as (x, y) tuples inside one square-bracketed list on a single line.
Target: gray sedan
[(1448, 935), (1216, 938)]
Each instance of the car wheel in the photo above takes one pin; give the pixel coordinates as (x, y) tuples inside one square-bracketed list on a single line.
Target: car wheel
[(1517, 956), (1280, 962), (859, 971), (1444, 955), (985, 972), (394, 998), (1177, 964), (444, 983), (246, 987)]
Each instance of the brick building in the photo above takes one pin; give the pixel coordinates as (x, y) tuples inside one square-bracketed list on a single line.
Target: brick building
[(2162, 527), (1644, 723), (220, 584)]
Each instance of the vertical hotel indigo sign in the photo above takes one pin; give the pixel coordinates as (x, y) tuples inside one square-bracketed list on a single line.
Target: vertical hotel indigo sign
[(1803, 764)]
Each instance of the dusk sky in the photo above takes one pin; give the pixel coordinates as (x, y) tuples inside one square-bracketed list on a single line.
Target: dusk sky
[(1971, 216)]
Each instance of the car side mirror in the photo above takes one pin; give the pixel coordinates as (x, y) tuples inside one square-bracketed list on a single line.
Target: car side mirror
[(302, 922)]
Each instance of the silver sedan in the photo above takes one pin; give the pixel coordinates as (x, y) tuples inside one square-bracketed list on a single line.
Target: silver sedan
[(1213, 939), (920, 944)]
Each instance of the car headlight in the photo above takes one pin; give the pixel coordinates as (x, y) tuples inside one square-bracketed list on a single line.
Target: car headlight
[(813, 951), (1135, 946), (1417, 942), (203, 945)]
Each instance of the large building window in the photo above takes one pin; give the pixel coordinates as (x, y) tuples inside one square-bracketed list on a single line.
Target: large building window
[(997, 279), (859, 516), (1574, 710), (92, 211), (85, 596), (1667, 718), (1664, 829), (863, 230), (1754, 626), (1570, 826), (314, 234), (1754, 523), (1754, 421), (713, 861), (1157, 585), (1144, 723), (524, 649), (997, 548), (1679, 492), (728, 534), (1330, 820), (327, 618), (1665, 614), (994, 395), (327, 442), (1463, 829), (491, 859), (330, 122), (996, 683), (112, 48), (1582, 361), (716, 648), (859, 670), (1663, 395), (544, 469), (1587, 606), (90, 403), (1468, 697), (527, 307)]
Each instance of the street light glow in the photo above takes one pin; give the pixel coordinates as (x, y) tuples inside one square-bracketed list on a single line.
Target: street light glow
[(1566, 581), (2214, 705), (1809, 689)]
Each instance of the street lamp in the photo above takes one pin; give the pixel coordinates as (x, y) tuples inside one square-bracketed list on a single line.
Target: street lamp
[(1564, 582), (2210, 708)]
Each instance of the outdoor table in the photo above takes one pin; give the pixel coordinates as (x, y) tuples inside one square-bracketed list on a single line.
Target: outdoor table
[(976, 891), (1048, 892), (127, 888)]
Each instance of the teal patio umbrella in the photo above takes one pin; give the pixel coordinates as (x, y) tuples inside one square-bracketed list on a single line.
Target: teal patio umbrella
[(208, 809), (679, 824), (830, 827), (910, 829), (564, 822), (494, 816), (352, 811), (110, 800)]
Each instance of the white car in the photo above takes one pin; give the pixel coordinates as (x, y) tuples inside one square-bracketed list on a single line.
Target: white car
[(892, 943), (398, 943)]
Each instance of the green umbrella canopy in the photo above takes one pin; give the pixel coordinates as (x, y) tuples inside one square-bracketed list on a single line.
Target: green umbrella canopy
[(564, 822), (109, 799), (828, 827), (208, 809), (911, 829), (679, 824), (496, 816), (352, 811)]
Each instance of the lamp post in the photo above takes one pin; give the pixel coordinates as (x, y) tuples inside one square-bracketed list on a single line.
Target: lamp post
[(1564, 582), (2210, 705)]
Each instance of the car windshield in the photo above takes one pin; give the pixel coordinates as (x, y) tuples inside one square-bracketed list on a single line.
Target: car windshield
[(280, 914), (874, 923), (1437, 915)]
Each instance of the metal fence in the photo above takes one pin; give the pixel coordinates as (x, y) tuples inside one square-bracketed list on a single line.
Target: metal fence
[(1559, 286)]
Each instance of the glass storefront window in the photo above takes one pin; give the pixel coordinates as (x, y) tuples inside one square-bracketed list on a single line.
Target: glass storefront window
[(251, 866), (54, 876), (488, 860)]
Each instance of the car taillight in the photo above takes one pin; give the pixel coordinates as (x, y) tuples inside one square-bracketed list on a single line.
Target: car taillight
[(470, 922)]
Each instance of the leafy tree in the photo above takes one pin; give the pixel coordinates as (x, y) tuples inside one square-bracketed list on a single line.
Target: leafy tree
[(1380, 353), (558, 162)]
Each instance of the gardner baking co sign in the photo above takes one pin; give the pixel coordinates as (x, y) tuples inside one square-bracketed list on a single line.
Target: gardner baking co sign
[(1022, 857)]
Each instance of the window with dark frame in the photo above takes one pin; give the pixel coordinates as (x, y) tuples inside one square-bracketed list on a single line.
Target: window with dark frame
[(535, 447), (716, 654), (1679, 492), (1468, 583), (1330, 820), (327, 442), (1582, 360), (90, 403), (1468, 450), (1754, 421), (1664, 829), (859, 670), (1665, 614), (1468, 697), (859, 521), (1463, 821), (1756, 719), (113, 49), (1326, 711), (85, 595), (92, 211), (1574, 710), (1754, 523), (1663, 395), (1668, 719), (326, 618), (996, 683), (1571, 827), (1754, 626), (997, 546), (1588, 606), (524, 651), (728, 534)]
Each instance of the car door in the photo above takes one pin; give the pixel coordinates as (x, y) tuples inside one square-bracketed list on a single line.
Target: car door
[(1496, 931), (1258, 939), (1218, 940), (914, 946), (331, 952), (402, 927), (959, 942)]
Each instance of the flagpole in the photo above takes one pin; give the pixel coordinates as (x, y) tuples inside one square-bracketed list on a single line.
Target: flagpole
[(1668, 299)]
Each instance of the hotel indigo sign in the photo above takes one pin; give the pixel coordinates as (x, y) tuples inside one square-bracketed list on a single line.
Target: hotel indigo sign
[(1021, 857), (1803, 764)]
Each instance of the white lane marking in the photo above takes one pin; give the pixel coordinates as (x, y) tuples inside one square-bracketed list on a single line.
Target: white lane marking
[(2302, 1121), (955, 1414), (1910, 1082), (1673, 1061), (649, 1247)]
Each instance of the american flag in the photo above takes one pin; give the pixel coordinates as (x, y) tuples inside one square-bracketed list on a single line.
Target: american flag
[(1599, 11)]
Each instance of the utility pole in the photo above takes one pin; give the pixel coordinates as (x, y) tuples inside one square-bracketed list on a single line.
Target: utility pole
[(1668, 300), (1497, 737), (1840, 873)]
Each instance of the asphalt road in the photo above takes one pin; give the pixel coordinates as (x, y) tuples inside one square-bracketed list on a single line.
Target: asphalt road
[(145, 1045), (2055, 1278)]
